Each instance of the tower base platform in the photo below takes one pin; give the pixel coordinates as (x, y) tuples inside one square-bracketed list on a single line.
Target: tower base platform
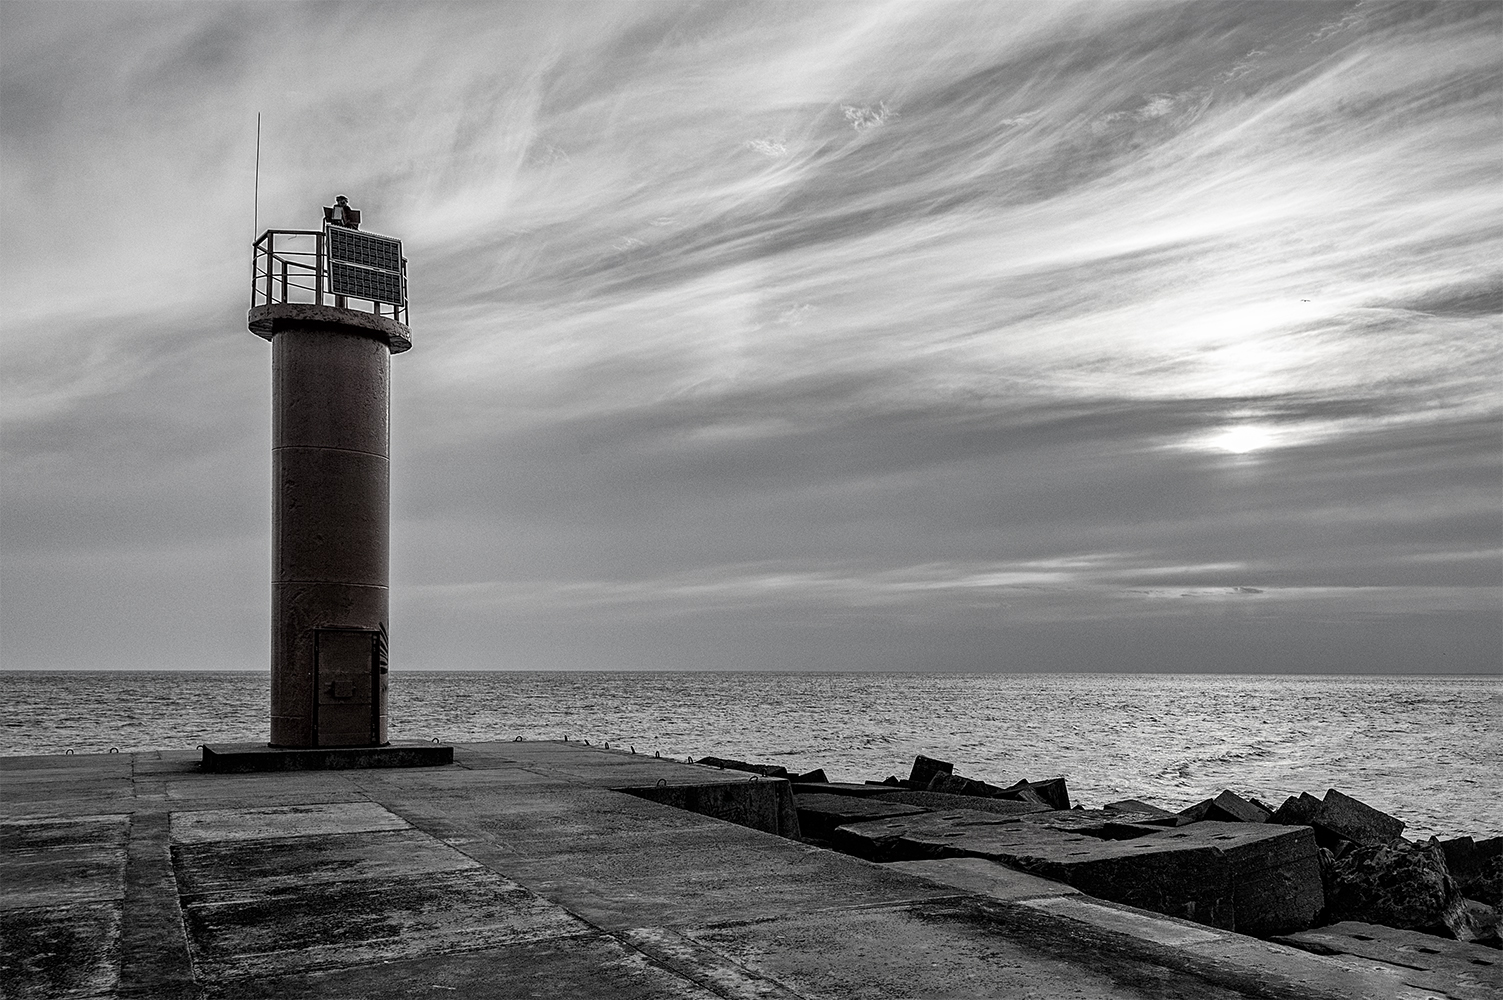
[(242, 758)]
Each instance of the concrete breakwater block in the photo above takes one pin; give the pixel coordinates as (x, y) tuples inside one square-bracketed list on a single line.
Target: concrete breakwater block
[(1356, 821), (1052, 792), (1103, 824), (1137, 806), (864, 789), (1338, 819), (946, 801), (925, 769), (1228, 807), (819, 815), (1450, 968), (1251, 878), (954, 784), (914, 797), (765, 804)]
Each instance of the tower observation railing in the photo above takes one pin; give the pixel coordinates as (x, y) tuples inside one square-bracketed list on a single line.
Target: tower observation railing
[(293, 266)]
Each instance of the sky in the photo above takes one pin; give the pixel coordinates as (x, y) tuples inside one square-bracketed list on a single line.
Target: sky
[(1012, 336)]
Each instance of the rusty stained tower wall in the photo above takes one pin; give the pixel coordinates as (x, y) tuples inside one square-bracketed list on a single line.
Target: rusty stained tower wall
[(331, 391), (330, 532)]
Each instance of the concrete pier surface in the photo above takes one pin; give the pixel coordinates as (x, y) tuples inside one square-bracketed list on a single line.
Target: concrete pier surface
[(550, 869)]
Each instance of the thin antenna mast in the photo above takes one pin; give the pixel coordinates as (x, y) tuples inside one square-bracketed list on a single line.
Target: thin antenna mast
[(256, 203)]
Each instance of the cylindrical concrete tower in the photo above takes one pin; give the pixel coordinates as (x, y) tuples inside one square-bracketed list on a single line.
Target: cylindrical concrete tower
[(331, 368)]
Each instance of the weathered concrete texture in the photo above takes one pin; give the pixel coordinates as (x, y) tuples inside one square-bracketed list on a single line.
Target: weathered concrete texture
[(60, 914), (730, 764), (765, 805), (313, 819), (925, 769), (1137, 806), (962, 952), (819, 815), (1462, 860), (60, 951), (1101, 823), (1255, 878), (1487, 884), (1399, 885), (1297, 810), (862, 789), (331, 386), (332, 523), (522, 870), (943, 800), (590, 965), (242, 758), (1228, 807), (986, 878), (269, 320), (361, 921), (954, 784), (1356, 821), (63, 875), (1052, 792), (1425, 962)]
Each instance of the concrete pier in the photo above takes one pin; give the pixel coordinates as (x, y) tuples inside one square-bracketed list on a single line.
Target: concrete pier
[(557, 870)]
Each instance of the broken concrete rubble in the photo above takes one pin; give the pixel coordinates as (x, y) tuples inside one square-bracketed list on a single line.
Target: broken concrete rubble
[(1461, 859), (1482, 923), (1487, 886), (1399, 885)]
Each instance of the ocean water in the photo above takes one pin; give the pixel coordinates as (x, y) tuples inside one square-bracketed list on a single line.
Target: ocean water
[(1427, 749)]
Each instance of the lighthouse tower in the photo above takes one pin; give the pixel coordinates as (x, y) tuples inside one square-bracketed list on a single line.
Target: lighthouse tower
[(333, 304)]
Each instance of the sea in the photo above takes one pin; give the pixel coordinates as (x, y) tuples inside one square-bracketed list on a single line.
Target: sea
[(1428, 750)]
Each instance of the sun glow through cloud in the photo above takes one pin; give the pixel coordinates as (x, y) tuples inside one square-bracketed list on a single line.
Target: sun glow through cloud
[(1243, 438)]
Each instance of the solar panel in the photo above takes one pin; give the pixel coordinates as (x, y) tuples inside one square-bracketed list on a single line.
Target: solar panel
[(365, 266), (365, 249), (365, 283)]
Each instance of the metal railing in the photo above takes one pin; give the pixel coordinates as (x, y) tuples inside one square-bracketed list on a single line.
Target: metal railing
[(292, 265)]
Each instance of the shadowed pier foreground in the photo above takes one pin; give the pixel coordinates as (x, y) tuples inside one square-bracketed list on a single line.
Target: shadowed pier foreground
[(559, 870)]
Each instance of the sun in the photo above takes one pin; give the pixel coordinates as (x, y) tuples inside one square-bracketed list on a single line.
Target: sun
[(1241, 439)]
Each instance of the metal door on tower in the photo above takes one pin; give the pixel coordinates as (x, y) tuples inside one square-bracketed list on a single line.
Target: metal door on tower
[(347, 665)]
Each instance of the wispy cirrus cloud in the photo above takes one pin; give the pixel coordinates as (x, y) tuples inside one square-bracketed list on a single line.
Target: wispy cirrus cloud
[(741, 316)]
